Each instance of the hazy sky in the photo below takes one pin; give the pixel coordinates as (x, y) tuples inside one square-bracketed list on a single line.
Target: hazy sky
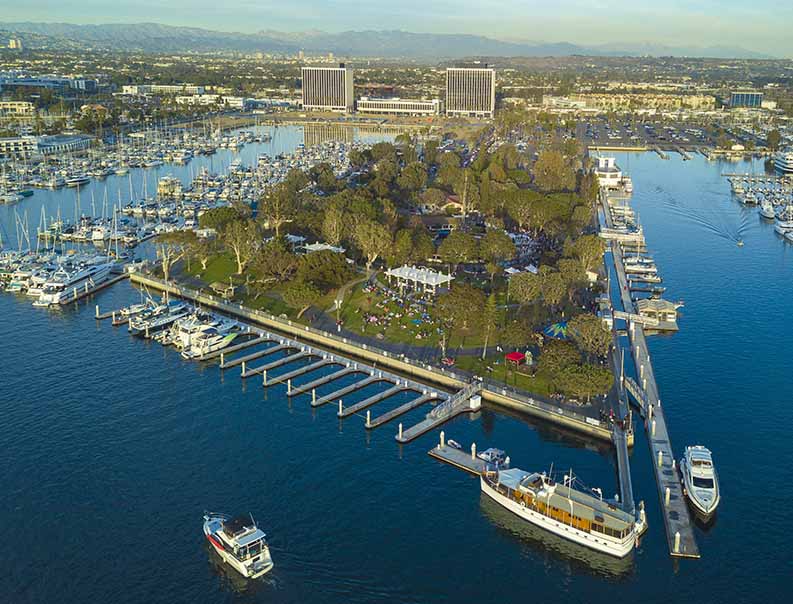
[(761, 25)]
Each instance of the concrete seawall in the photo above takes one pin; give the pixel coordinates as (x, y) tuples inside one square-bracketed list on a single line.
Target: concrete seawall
[(451, 380)]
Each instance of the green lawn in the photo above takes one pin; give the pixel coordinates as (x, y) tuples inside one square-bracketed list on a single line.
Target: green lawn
[(219, 268), (401, 327), (539, 384)]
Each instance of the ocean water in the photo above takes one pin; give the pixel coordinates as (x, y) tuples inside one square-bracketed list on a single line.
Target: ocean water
[(112, 447)]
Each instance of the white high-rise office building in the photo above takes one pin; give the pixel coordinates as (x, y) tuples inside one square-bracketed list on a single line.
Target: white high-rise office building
[(328, 88), (470, 91)]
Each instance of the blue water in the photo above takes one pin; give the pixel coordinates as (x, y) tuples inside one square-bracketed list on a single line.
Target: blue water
[(99, 197), (112, 447)]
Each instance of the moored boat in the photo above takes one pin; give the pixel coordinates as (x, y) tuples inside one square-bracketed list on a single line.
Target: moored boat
[(564, 510), (700, 483), (240, 543)]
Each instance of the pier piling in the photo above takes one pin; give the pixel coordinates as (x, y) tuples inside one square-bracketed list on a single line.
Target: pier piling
[(473, 450)]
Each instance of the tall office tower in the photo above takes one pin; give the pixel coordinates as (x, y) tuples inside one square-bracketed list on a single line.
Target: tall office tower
[(470, 91), (328, 88)]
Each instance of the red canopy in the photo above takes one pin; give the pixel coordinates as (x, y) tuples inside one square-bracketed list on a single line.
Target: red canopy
[(515, 357)]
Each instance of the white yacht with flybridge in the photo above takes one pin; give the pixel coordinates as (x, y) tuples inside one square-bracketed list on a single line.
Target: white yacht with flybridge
[(240, 543)]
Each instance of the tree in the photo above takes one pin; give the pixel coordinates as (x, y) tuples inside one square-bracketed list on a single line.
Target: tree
[(170, 248), (459, 308), (324, 269), (400, 252), (496, 247), (525, 287), (373, 239), (218, 218), (273, 263), (202, 249), (490, 320), (773, 139), (279, 206), (553, 287), (558, 355), (300, 295), (423, 247), (583, 381), (333, 224), (458, 247), (588, 249), (413, 177), (551, 172), (590, 334), (244, 238)]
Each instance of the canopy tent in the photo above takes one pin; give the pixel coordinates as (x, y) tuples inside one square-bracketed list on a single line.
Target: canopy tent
[(515, 357), (421, 279), (557, 330)]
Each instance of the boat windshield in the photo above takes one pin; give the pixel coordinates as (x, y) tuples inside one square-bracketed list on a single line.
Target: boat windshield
[(702, 483), (254, 549)]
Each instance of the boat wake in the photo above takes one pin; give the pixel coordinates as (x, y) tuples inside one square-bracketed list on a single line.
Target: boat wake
[(718, 223)]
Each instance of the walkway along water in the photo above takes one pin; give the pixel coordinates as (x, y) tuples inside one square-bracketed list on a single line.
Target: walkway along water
[(499, 394)]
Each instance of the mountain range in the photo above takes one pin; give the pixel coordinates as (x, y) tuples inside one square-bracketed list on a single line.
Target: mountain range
[(158, 38)]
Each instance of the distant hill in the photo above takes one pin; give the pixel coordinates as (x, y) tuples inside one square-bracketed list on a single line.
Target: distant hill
[(153, 37)]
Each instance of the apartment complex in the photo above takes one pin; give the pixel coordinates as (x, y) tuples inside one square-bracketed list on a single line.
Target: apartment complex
[(646, 101), (18, 146), (470, 91), (397, 106), (328, 88), (17, 109)]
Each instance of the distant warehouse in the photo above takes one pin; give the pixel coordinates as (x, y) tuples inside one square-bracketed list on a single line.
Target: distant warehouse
[(470, 91), (398, 106), (328, 88)]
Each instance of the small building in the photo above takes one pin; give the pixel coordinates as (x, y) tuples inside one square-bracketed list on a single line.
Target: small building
[(661, 310), (321, 247), (419, 279), (608, 172), (225, 290)]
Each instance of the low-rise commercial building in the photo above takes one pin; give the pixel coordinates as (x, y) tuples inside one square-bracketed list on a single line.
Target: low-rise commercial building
[(397, 106), (63, 143), (234, 102), (746, 99), (140, 89)]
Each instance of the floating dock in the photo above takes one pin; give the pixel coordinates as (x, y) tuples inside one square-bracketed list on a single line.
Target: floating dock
[(677, 519)]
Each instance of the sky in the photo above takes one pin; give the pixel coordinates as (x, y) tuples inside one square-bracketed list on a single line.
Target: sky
[(759, 25)]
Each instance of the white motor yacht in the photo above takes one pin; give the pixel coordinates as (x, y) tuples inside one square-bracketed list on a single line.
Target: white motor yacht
[(240, 543), (564, 510), (209, 339), (65, 284), (700, 483), (784, 220), (767, 210)]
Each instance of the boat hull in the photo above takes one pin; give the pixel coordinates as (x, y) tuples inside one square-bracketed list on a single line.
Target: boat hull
[(612, 548)]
